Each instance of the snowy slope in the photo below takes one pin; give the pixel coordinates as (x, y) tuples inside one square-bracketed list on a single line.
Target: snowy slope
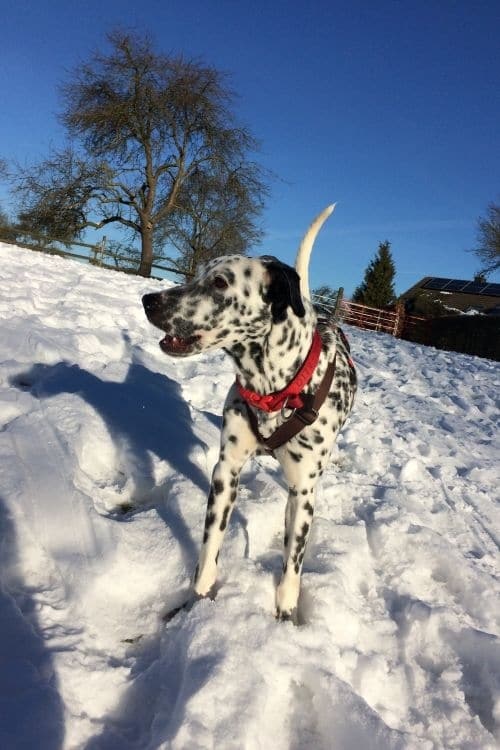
[(106, 449)]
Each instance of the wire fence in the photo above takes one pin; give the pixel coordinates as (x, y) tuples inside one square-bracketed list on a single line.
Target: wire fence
[(334, 307), (98, 254)]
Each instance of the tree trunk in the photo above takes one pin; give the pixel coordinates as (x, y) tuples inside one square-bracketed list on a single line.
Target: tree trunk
[(146, 252)]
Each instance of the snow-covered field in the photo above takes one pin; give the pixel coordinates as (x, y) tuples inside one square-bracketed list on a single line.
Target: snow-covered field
[(106, 449)]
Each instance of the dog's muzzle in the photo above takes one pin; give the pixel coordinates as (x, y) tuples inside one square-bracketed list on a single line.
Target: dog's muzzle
[(171, 344)]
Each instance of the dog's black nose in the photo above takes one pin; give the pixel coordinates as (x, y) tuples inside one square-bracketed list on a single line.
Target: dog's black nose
[(150, 302)]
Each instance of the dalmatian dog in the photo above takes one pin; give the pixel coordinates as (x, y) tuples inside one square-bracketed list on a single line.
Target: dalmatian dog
[(259, 311)]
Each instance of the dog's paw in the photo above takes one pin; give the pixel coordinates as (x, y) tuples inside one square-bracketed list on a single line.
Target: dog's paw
[(185, 606), (210, 593), (188, 604), (291, 615)]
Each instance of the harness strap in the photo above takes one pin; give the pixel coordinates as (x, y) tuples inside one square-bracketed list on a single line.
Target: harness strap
[(302, 417)]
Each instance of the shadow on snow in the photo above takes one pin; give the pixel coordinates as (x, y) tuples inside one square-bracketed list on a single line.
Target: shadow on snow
[(144, 414), (31, 709)]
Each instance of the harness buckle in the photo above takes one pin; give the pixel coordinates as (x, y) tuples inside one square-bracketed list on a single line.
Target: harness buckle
[(284, 415), (307, 413)]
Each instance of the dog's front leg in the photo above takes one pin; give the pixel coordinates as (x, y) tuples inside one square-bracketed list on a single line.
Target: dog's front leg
[(238, 443), (298, 519)]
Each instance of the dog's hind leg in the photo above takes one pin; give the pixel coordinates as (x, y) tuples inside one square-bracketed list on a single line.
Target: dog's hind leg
[(238, 443)]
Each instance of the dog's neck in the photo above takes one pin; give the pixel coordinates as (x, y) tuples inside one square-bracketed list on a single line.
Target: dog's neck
[(269, 364)]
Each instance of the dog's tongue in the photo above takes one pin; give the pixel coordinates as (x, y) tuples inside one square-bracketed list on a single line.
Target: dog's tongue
[(175, 345)]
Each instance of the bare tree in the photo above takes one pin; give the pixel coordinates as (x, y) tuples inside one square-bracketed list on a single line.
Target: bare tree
[(324, 300), (7, 230), (215, 215), (488, 235), (143, 124), (55, 194)]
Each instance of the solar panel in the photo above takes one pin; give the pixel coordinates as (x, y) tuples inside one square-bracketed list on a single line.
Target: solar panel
[(436, 283), (455, 285), (474, 287), (493, 290), (462, 285)]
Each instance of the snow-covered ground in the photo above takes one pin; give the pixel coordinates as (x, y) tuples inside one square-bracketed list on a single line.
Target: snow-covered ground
[(106, 449)]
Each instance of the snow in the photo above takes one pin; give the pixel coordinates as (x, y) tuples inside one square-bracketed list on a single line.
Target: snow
[(106, 449)]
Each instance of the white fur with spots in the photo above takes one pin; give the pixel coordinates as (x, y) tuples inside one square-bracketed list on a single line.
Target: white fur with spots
[(253, 308)]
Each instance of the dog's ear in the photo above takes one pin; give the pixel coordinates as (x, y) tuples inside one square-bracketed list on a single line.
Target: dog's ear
[(283, 290)]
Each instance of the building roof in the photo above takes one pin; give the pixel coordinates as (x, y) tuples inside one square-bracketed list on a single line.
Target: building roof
[(457, 293)]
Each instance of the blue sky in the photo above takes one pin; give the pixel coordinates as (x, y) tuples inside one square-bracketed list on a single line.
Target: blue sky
[(390, 108)]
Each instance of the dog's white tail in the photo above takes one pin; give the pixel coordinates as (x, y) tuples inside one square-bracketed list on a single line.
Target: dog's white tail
[(306, 246)]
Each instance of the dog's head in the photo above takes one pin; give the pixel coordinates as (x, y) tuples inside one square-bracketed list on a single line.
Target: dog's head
[(233, 299)]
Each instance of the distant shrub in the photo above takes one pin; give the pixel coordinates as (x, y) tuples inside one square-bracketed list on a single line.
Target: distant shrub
[(7, 229), (425, 304), (468, 334)]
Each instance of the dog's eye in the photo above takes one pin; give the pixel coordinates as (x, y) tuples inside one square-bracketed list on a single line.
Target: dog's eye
[(220, 282)]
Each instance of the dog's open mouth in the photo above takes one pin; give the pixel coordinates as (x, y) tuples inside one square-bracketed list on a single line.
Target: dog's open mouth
[(178, 345)]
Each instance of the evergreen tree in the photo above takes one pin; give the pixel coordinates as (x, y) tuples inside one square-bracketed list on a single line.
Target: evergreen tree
[(377, 287)]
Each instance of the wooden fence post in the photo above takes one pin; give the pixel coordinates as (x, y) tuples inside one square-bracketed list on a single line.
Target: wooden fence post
[(102, 250), (400, 319), (338, 304)]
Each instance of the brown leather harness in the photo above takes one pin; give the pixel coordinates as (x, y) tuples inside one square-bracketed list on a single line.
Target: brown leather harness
[(307, 405), (300, 418)]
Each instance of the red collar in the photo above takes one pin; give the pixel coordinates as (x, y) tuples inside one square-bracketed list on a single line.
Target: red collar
[(289, 396)]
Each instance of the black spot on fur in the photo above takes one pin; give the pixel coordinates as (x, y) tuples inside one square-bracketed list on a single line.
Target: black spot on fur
[(209, 519), (301, 539), (256, 354), (218, 486), (223, 523), (238, 350)]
